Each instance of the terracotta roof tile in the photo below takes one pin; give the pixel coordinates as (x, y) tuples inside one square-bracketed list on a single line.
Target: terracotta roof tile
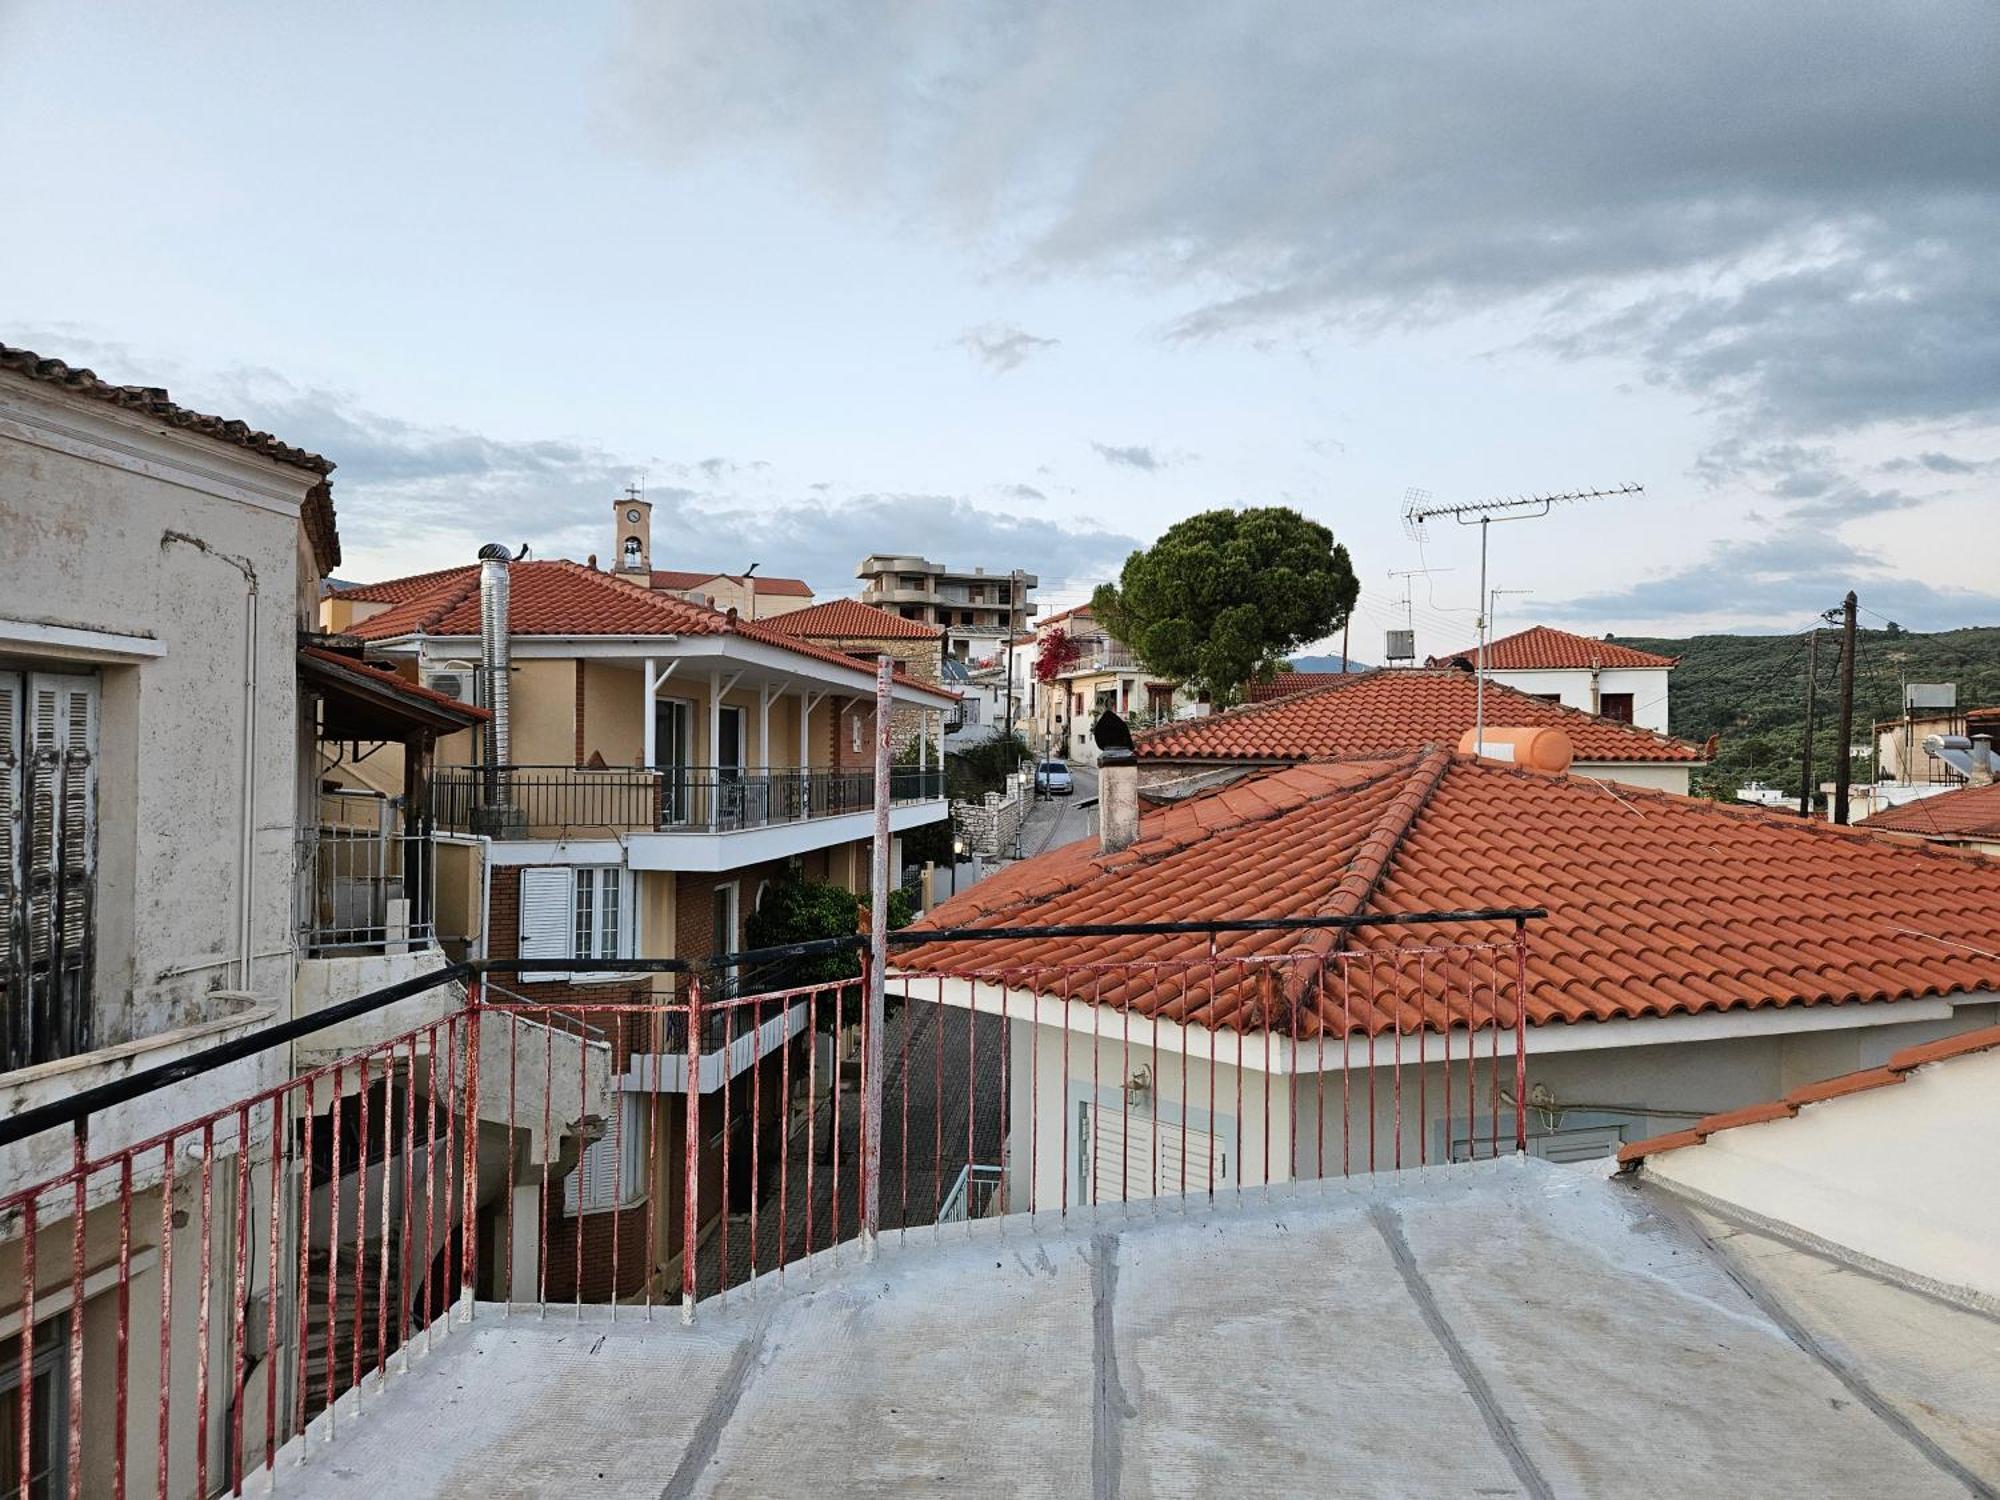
[(1287, 683), (1971, 812), (153, 401), (1900, 1066), (560, 597), (1384, 711), (400, 590), (1658, 904), (1541, 648), (674, 578), (393, 681), (850, 619)]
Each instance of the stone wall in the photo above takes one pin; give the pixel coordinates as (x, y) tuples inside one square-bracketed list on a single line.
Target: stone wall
[(991, 825)]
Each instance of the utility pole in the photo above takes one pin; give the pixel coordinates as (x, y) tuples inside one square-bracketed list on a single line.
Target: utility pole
[(1812, 683), (1843, 771)]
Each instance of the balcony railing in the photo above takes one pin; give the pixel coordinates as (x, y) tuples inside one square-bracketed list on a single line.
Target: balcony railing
[(364, 890), (535, 801), (288, 1254)]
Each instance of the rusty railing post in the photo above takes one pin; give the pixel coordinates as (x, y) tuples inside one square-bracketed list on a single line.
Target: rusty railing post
[(468, 1236), (691, 1155), (1520, 1036), (874, 974)]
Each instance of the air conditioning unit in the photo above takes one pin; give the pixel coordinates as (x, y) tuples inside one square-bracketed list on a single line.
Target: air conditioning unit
[(1401, 646), (461, 683)]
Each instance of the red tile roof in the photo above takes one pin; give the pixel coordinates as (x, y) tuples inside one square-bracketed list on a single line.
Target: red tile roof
[(560, 597), (1971, 812), (1540, 648), (153, 401), (1287, 683), (1899, 1067), (399, 590), (1657, 903), (387, 677), (1369, 713), (671, 578), (850, 619)]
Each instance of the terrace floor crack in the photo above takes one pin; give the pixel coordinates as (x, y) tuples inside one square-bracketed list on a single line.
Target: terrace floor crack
[(1110, 1408), (1498, 1424)]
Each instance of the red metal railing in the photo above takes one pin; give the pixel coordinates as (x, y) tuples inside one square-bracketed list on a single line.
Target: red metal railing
[(263, 1263)]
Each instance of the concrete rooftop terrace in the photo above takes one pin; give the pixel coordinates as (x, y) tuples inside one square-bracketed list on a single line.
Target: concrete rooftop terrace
[(1499, 1329)]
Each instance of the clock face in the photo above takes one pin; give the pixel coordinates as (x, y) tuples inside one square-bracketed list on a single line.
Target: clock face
[(632, 515)]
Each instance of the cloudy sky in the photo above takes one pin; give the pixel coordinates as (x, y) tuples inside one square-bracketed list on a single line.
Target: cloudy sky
[(1022, 283)]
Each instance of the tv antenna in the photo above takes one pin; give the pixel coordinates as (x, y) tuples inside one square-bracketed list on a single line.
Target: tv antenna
[(1493, 598), (1419, 509), (1408, 601)]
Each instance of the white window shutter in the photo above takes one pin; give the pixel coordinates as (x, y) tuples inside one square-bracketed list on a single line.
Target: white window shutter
[(59, 850), (12, 752), (548, 916)]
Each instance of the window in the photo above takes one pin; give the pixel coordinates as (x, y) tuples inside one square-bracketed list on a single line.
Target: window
[(573, 912), (1548, 697), (612, 1171), (48, 1447), (1616, 707), (855, 720), (48, 863)]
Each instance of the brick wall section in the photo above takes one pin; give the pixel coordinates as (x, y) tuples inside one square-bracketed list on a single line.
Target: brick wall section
[(600, 1231), (923, 660)]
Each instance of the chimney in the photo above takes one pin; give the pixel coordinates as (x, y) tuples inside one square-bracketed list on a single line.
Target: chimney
[(495, 657), (1982, 761), (1117, 784)]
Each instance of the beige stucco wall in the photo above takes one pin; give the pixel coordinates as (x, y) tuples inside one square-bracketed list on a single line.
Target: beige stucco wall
[(1656, 777), (85, 543)]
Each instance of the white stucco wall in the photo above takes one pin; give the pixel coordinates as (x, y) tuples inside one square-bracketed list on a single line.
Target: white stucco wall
[(1647, 685), (1902, 1174), (111, 523), (1654, 777), (1637, 1086)]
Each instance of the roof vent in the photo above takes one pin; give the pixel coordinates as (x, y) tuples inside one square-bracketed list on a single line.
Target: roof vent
[(496, 552)]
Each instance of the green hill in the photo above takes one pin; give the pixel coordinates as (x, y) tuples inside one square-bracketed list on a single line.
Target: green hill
[(1750, 690)]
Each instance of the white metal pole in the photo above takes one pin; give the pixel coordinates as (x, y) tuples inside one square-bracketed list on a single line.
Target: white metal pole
[(1479, 668)]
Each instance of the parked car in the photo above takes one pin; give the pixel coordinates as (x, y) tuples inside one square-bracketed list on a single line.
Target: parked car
[(1052, 779)]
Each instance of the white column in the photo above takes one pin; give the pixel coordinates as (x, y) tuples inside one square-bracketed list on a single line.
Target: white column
[(646, 707), (923, 739), (805, 713), (764, 725), (714, 721)]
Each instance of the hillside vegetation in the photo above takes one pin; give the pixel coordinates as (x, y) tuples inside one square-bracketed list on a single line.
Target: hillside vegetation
[(1750, 690)]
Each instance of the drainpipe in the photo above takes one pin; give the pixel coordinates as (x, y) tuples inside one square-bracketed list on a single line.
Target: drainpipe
[(496, 657), (1596, 697)]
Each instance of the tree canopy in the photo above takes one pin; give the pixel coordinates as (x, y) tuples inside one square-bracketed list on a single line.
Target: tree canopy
[(1221, 597)]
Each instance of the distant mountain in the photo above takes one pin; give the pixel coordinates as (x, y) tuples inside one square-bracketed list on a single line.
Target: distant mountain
[(1325, 664), (1750, 690)]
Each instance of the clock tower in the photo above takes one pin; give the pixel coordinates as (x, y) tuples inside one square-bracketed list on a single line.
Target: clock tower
[(632, 537)]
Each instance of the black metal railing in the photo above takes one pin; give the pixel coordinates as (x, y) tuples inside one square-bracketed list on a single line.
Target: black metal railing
[(534, 801)]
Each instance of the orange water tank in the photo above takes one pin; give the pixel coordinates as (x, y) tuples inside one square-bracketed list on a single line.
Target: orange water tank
[(1537, 749)]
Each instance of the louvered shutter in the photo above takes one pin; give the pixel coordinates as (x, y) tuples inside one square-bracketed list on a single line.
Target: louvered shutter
[(609, 1165), (548, 916), (60, 858), (1134, 1156), (14, 1051)]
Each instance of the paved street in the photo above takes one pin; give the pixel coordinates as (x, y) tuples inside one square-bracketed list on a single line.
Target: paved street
[(1055, 821)]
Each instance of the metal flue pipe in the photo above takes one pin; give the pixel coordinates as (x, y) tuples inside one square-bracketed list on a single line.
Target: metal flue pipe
[(495, 659)]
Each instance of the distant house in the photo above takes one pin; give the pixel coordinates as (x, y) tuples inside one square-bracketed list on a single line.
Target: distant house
[(980, 609), (1369, 713), (1968, 818), (864, 632), (1695, 958), (1600, 677), (1104, 674)]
